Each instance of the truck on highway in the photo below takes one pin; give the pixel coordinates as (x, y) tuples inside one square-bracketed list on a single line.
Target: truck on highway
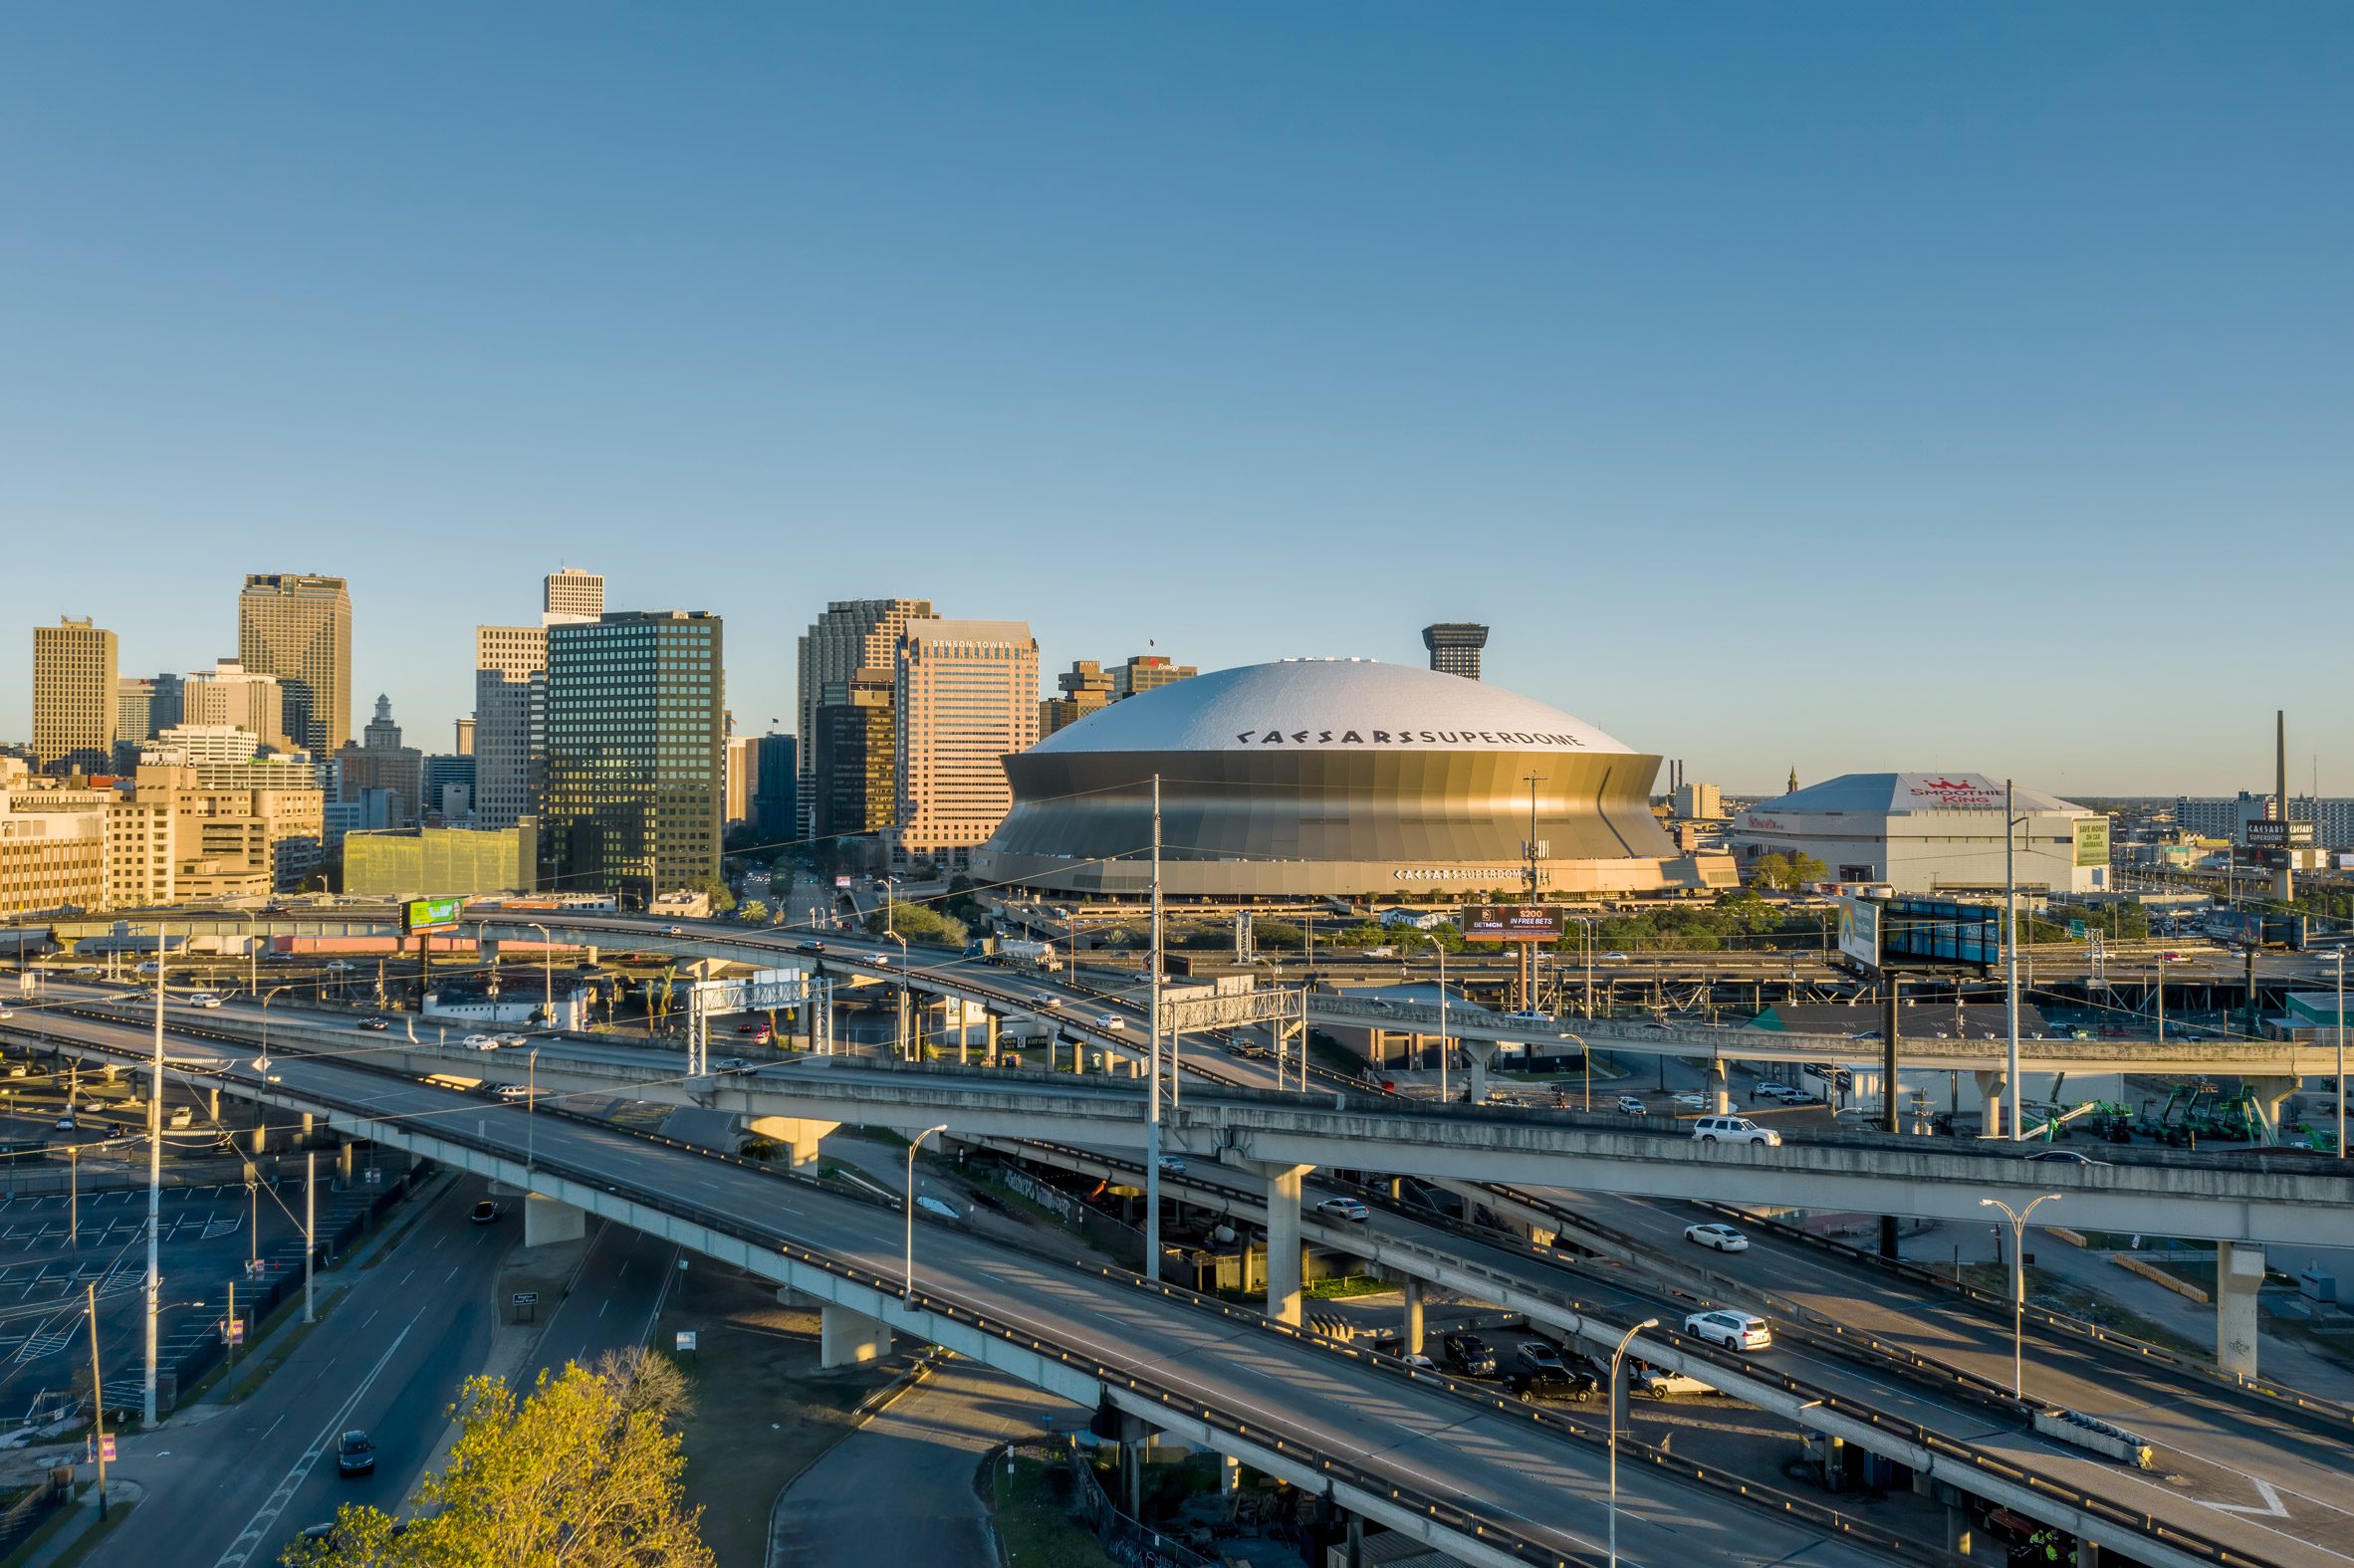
[(1018, 953)]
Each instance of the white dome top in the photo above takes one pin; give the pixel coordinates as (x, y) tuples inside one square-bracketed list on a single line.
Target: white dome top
[(1322, 705)]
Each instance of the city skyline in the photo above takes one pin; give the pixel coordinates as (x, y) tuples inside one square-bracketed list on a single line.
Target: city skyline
[(1621, 339)]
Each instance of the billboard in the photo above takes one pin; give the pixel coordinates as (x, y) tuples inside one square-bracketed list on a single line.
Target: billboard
[(2092, 840), (431, 914), (1935, 932), (1511, 923), (2269, 833), (1859, 931)]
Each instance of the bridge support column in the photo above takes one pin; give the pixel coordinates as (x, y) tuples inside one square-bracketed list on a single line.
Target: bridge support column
[(310, 1125), (345, 1159), (1958, 1527), (1990, 1090), (545, 1220), (847, 1339), (2271, 1096), (1478, 1053), (1282, 1241), (2238, 1273), (1719, 1089), (212, 1105), (798, 1137), (261, 1134), (993, 1039), (1229, 1475), (1413, 1293)]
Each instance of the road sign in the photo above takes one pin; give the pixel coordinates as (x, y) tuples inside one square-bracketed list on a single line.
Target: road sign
[(233, 1330), (255, 1268), (105, 1448), (373, 1176), (686, 1340), (2076, 930)]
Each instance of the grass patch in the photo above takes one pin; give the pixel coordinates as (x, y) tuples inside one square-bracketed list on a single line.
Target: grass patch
[(764, 1412), (1031, 1527), (95, 1537), (1336, 1288), (2052, 1293)]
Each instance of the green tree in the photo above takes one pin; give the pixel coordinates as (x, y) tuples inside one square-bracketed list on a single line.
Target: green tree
[(1278, 936), (584, 1474), (722, 900), (754, 913), (917, 922), (1772, 871)]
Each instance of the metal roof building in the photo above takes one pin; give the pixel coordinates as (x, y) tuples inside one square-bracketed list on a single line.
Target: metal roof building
[(1930, 833)]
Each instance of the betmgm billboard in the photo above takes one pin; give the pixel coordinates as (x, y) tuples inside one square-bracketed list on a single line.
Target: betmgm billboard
[(431, 914), (1511, 923), (1859, 931)]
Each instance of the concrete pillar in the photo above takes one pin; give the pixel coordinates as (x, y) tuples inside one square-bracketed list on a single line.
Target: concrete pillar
[(1229, 1475), (1480, 1053), (2239, 1272), (345, 1161), (2272, 1094), (1958, 1529), (2088, 1554), (1991, 1088), (1132, 1479), (310, 1123), (1078, 1055), (1283, 1241), (1356, 1542), (545, 1220), (1413, 1290), (993, 1039), (1719, 1089), (212, 1105), (261, 1136), (798, 1137), (847, 1339)]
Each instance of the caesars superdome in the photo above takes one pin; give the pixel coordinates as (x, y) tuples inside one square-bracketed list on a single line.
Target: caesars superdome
[(1332, 777)]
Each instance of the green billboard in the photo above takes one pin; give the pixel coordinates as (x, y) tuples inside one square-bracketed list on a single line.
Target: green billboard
[(431, 914), (2092, 840)]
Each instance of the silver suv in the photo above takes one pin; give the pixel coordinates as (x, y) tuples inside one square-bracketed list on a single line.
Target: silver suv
[(1734, 1129)]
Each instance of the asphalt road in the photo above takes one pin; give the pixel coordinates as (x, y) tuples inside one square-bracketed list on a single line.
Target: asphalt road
[(230, 1484), (921, 1455), (1414, 1436)]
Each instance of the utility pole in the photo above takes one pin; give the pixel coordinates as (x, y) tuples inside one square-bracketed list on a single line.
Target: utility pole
[(1533, 851), (1152, 1098), (2011, 956), (98, 1402), (310, 1230)]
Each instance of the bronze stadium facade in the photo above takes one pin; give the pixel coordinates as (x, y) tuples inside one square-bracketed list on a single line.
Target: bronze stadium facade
[(1314, 779)]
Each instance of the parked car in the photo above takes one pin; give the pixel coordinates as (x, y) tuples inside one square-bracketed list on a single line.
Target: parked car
[(1734, 1330), (1774, 1091), (376, 1026), (1734, 1129), (1632, 1105), (1721, 1237), (1644, 1378), (1692, 1103), (1468, 1354), (1541, 1372), (355, 1454), (1345, 1209), (485, 1213)]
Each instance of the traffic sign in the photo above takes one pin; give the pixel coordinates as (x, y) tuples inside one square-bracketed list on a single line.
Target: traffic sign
[(686, 1340), (375, 1177)]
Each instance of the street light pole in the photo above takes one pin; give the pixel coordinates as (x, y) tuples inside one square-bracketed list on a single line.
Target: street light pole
[(1624, 1341), (155, 1195), (907, 1286), (548, 974), (530, 1109), (2019, 1282), (1444, 1052), (2341, 1063), (2010, 1116), (1152, 1094)]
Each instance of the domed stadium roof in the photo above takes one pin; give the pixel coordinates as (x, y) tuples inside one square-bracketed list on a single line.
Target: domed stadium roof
[(1308, 705)]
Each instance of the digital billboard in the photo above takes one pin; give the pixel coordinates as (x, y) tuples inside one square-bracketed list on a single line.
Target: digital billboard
[(431, 914), (1859, 931), (1511, 923), (2092, 840)]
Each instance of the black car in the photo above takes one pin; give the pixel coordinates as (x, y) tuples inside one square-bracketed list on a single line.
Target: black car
[(1542, 1371), (809, 947), (356, 1454), (1468, 1354), (375, 1025), (485, 1213)]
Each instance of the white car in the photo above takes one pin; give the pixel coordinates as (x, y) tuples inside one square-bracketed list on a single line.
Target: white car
[(203, 998), (1111, 1021), (1629, 1105), (1346, 1209), (481, 1043), (1047, 998), (1776, 1091), (1721, 1238), (1692, 1103), (1733, 1330), (512, 1093), (1734, 1129)]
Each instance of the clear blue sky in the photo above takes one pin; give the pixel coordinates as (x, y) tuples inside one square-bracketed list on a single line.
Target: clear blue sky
[(1847, 386)]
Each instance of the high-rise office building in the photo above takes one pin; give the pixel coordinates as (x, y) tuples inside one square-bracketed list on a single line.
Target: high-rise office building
[(856, 742), (966, 692), (449, 788), (73, 712), (465, 738), (230, 694), (299, 628), (852, 635), (1145, 671), (1086, 688), (509, 669), (776, 795), (637, 744), (1454, 647), (743, 779), (570, 596), (380, 762), (145, 704)]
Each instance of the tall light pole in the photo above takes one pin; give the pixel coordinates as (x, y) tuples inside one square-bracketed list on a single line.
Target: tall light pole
[(1624, 1341), (154, 1195), (548, 974), (2161, 998), (530, 1109), (1444, 1052), (2340, 955), (902, 941), (2010, 961), (1152, 1096), (275, 993), (2018, 1281), (907, 1286)]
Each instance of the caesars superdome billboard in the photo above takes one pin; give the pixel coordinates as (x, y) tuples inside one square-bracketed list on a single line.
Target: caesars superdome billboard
[(1334, 778)]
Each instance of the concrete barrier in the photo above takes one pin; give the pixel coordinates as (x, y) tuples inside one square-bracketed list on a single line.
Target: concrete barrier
[(2159, 1277)]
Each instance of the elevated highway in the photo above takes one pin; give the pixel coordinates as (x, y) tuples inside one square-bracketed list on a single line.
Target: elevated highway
[(1479, 1478)]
